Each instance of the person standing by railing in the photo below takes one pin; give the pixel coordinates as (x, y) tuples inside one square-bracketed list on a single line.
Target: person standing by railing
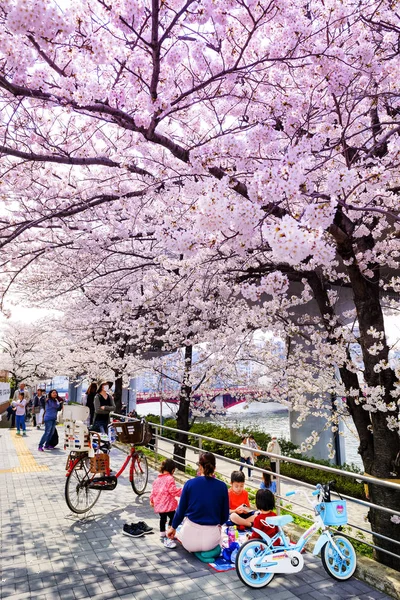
[(246, 455), (274, 448)]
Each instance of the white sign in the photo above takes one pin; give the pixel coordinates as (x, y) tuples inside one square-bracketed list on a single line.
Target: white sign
[(4, 392)]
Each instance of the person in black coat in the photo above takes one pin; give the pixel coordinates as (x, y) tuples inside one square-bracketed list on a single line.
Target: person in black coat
[(103, 405), (90, 394)]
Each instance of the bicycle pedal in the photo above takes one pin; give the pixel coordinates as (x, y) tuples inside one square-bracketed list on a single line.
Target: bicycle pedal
[(103, 483)]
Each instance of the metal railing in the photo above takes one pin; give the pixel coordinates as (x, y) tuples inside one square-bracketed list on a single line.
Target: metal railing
[(280, 479)]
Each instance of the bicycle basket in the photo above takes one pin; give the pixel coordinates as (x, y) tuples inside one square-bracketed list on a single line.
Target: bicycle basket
[(333, 513), (133, 432), (99, 463)]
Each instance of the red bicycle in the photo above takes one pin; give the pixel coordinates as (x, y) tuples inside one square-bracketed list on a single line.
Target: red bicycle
[(88, 472)]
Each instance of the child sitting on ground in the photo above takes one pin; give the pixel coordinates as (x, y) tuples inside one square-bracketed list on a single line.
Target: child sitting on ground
[(265, 503), (267, 483), (239, 505), (163, 498)]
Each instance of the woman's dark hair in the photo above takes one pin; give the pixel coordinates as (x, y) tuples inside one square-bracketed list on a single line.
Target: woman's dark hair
[(50, 393), (207, 461), (265, 500), (21, 394), (168, 465), (99, 387), (237, 477), (92, 389), (267, 479)]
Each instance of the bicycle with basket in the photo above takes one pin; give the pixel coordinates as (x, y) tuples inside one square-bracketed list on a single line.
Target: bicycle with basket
[(88, 464), (258, 560)]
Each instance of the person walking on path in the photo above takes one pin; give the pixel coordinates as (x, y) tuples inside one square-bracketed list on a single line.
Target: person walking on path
[(20, 407), (22, 389), (103, 405), (39, 403), (164, 496), (246, 455), (52, 406), (274, 448), (203, 509), (90, 395)]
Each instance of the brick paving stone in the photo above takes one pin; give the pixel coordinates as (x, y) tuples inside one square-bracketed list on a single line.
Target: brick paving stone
[(49, 553), (81, 592)]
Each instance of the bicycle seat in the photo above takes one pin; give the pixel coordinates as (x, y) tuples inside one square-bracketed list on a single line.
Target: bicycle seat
[(279, 521)]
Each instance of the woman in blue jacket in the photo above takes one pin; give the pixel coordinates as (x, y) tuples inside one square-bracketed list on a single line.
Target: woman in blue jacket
[(203, 508), (52, 406)]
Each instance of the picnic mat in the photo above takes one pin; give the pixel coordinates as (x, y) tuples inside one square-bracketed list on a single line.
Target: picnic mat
[(221, 564)]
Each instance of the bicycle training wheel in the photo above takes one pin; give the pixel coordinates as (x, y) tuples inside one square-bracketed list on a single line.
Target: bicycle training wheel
[(78, 496), (252, 549), (337, 567), (139, 473)]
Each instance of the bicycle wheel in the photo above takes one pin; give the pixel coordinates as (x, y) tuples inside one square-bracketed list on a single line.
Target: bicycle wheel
[(139, 473), (337, 567), (249, 550), (78, 496)]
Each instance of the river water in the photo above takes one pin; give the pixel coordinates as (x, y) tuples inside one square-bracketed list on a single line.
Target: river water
[(270, 418)]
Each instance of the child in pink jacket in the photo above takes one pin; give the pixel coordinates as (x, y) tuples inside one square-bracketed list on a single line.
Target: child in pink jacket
[(163, 498)]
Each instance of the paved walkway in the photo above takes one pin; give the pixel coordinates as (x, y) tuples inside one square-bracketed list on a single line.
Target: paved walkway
[(47, 553)]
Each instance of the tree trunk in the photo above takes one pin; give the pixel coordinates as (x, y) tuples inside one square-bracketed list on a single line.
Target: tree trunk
[(118, 391), (386, 442), (182, 417)]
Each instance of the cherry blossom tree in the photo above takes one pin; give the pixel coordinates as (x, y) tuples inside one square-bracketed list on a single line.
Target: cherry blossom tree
[(27, 351), (230, 163)]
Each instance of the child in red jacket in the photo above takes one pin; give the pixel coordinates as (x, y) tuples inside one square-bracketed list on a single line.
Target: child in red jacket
[(163, 498), (265, 503)]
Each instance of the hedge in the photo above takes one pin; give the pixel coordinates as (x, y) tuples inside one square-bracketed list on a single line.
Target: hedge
[(344, 485)]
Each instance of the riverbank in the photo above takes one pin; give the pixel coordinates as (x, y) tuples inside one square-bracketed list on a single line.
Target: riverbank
[(268, 417)]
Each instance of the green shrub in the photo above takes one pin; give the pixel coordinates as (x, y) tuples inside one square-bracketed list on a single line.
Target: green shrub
[(344, 485)]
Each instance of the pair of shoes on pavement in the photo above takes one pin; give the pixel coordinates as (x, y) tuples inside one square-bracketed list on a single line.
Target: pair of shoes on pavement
[(136, 529)]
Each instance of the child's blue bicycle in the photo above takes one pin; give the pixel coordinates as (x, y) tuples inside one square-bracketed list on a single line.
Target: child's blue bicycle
[(259, 559)]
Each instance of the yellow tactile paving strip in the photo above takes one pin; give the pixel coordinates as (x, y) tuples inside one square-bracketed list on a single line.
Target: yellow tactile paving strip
[(27, 462)]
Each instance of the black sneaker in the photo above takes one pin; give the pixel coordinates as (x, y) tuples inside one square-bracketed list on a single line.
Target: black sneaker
[(143, 526), (132, 531)]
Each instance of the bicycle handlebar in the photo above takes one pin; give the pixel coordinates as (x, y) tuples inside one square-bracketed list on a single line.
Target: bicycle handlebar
[(125, 417), (315, 492)]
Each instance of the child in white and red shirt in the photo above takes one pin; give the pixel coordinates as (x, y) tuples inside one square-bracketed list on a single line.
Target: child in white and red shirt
[(20, 407), (163, 498)]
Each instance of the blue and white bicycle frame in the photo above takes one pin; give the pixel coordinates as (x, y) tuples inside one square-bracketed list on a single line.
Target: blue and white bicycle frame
[(259, 559)]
